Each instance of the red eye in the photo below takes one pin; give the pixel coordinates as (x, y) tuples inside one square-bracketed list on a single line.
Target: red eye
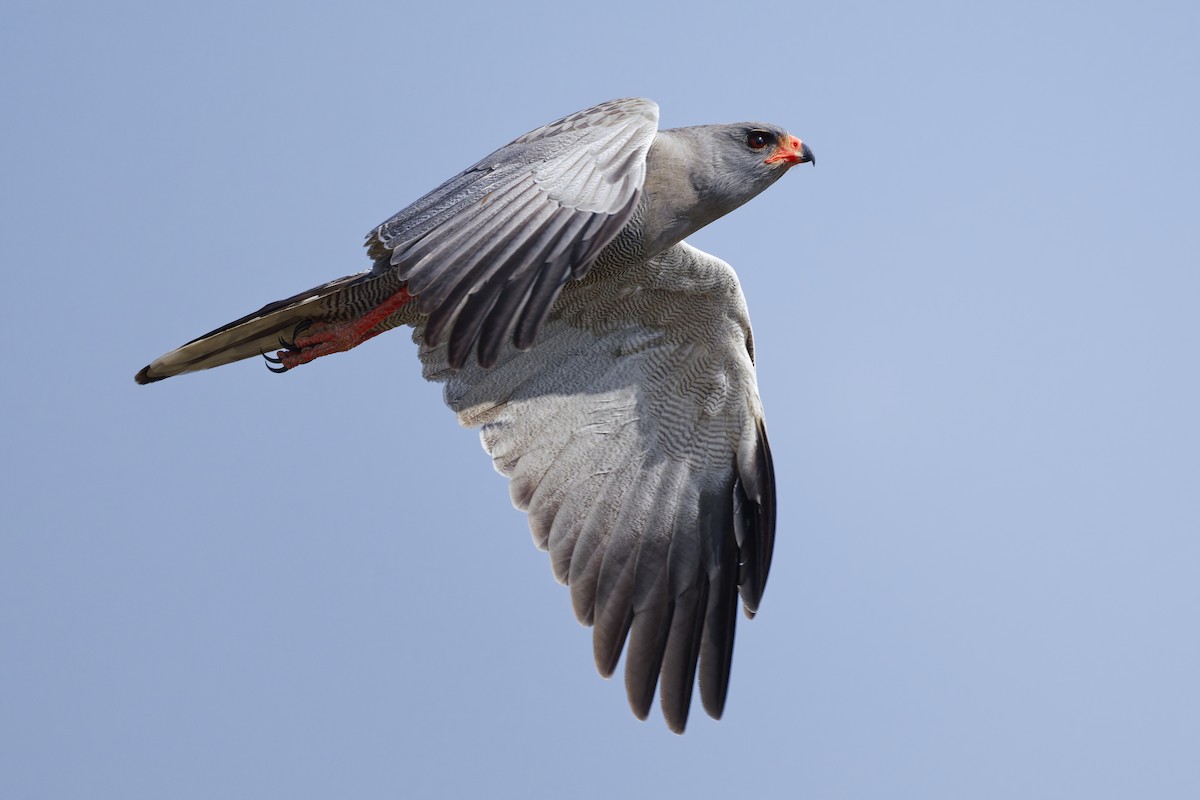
[(757, 140)]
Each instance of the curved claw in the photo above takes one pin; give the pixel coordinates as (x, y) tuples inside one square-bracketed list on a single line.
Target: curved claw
[(300, 328), (272, 360)]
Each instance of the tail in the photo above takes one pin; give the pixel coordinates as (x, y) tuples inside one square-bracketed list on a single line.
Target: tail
[(272, 325)]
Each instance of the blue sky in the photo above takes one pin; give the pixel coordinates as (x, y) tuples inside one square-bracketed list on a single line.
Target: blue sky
[(977, 339)]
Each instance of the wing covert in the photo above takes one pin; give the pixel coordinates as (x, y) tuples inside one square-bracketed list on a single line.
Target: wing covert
[(487, 253)]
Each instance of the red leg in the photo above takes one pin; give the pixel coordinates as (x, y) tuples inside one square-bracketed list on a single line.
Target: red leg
[(328, 338)]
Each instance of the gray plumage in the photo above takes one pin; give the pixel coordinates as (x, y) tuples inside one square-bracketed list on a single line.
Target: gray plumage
[(608, 365)]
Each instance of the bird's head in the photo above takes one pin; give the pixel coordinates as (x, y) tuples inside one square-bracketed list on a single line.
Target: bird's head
[(747, 157), (695, 175)]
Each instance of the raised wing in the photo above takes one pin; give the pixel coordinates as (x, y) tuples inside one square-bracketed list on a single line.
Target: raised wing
[(487, 252), (633, 436)]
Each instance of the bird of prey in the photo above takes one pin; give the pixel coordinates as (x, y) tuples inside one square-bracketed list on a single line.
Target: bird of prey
[(608, 364)]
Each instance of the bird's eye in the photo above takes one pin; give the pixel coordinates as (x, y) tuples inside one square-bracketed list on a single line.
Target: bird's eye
[(757, 140)]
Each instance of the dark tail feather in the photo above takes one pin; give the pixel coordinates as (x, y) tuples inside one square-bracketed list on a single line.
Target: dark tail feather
[(272, 325)]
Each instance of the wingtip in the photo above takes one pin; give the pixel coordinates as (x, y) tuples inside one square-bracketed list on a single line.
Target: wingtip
[(716, 711), (676, 726)]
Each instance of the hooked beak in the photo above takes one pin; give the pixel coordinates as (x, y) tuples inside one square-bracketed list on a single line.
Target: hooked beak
[(792, 151)]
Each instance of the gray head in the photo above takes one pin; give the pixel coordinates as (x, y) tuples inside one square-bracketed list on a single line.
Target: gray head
[(695, 175)]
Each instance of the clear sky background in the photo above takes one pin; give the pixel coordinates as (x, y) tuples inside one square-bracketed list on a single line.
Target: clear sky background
[(977, 333)]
